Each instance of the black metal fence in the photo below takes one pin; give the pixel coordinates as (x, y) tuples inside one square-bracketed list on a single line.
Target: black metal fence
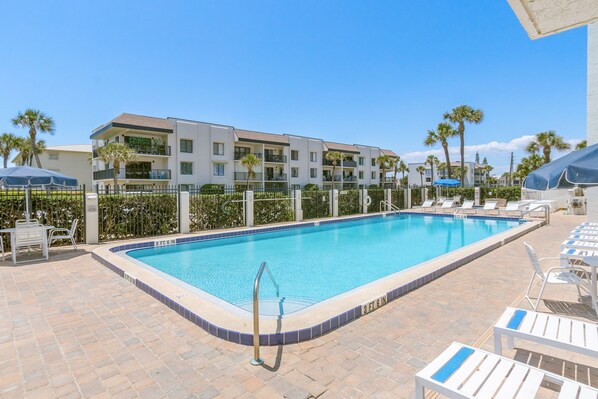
[(215, 208), (49, 206), (140, 213), (348, 202), (377, 196), (417, 196), (399, 198), (273, 207), (315, 204)]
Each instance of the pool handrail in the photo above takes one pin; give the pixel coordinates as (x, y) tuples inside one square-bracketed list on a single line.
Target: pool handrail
[(256, 361), (393, 208)]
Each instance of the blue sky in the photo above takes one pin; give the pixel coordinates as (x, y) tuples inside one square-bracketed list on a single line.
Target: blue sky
[(378, 73)]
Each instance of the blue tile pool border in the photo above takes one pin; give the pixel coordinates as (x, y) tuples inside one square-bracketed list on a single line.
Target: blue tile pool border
[(308, 333)]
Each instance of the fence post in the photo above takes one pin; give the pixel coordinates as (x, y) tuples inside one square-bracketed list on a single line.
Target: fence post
[(248, 197), (184, 218), (408, 197), (364, 202), (476, 195), (424, 194), (298, 209), (334, 203), (92, 227), (388, 198)]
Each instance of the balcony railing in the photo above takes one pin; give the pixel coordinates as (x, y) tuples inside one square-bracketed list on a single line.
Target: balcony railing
[(127, 173), (350, 178), (280, 177), (329, 178), (243, 176), (143, 150), (239, 155), (345, 163), (275, 158)]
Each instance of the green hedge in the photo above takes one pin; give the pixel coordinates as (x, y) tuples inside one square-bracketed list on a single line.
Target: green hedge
[(397, 198), (272, 211), (348, 202), (216, 211), (136, 215), (508, 193), (376, 195), (315, 204), (416, 196)]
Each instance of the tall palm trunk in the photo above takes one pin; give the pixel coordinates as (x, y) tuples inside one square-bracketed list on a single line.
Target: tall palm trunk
[(333, 170), (448, 159), (421, 178), (248, 176), (462, 137), (395, 179), (546, 154), (32, 138), (115, 168)]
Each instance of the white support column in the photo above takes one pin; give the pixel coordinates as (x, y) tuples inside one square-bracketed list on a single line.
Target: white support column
[(592, 113), (476, 196), (364, 202), (298, 209), (248, 197), (408, 196), (334, 203), (388, 198), (185, 220), (92, 231), (424, 193)]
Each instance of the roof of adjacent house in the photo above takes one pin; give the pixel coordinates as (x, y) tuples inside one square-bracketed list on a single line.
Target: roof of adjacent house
[(132, 121), (259, 137), (70, 148), (341, 147), (390, 153)]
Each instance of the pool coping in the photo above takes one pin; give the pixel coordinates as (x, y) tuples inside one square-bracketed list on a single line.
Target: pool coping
[(324, 316)]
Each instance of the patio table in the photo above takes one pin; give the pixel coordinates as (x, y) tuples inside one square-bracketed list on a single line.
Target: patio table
[(590, 259), (13, 230)]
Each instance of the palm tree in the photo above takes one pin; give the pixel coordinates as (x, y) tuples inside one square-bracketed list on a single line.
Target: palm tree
[(421, 170), (443, 132), (395, 168), (581, 145), (403, 169), (250, 161), (335, 157), (384, 162), (528, 165), (8, 143), (441, 168), (431, 160), (34, 120), (547, 141), (459, 115), (118, 154)]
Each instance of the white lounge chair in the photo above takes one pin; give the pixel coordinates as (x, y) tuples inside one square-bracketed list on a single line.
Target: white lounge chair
[(554, 275), (446, 204), (64, 234), (582, 237), (467, 206), (465, 372), (580, 244), (427, 204), (29, 235), (548, 329), (489, 206), (512, 207), (585, 231)]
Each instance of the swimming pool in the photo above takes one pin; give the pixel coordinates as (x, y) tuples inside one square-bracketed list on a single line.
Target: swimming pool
[(314, 263)]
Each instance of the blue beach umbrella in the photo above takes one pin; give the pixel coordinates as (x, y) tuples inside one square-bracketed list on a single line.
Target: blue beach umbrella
[(578, 168), (26, 177), (447, 183)]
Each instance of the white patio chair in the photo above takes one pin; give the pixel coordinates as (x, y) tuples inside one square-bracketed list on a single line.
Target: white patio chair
[(64, 234), (447, 204), (554, 275), (467, 206), (512, 207), (547, 329), (27, 236), (465, 372), (489, 206), (591, 245)]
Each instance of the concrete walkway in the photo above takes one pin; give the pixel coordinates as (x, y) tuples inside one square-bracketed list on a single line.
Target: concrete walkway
[(72, 328)]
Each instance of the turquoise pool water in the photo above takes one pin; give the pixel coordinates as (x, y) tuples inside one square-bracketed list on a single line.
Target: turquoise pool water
[(312, 264)]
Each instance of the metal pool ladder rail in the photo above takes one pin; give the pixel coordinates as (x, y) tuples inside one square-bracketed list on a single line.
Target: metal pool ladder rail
[(256, 361), (535, 209), (384, 204)]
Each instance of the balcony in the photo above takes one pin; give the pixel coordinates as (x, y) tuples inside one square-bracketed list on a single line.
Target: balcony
[(128, 173), (143, 150), (345, 163), (349, 179), (239, 155), (276, 158), (279, 177), (329, 178), (243, 176)]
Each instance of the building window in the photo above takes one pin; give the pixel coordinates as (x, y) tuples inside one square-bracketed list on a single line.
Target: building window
[(361, 161), (186, 145), (218, 149), (313, 156), (53, 156), (296, 186), (294, 172), (373, 175), (294, 155), (361, 174), (218, 169), (313, 172), (240, 152), (186, 168), (373, 161)]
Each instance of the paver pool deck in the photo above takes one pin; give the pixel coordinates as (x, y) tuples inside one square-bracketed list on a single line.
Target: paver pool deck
[(72, 328)]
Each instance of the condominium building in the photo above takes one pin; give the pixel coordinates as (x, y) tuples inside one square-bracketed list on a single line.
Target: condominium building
[(475, 174), (71, 160), (174, 151)]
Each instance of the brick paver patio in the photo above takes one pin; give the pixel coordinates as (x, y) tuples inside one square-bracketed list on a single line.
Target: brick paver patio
[(72, 328)]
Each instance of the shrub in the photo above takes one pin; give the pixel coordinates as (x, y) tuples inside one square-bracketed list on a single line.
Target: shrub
[(348, 203), (272, 211), (315, 204), (212, 189), (311, 187), (216, 211), (373, 186), (377, 196)]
